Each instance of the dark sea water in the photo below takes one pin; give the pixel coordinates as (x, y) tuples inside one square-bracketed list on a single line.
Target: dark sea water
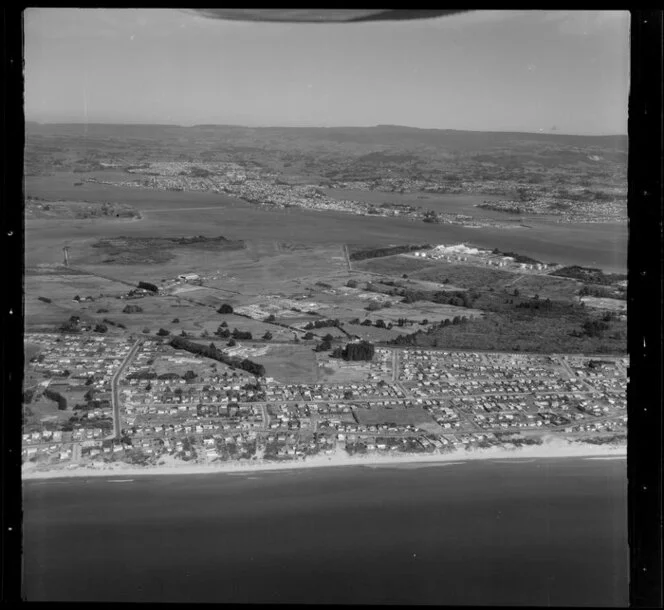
[(544, 532)]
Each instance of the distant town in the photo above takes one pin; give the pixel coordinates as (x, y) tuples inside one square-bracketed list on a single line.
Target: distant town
[(269, 189)]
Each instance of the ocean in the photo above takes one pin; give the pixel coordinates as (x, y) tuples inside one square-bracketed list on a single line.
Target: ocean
[(549, 532)]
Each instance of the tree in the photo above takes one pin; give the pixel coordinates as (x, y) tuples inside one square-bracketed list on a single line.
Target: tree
[(308, 336), (162, 332), (189, 375), (270, 318), (351, 283), (366, 322), (225, 308), (176, 321), (267, 336), (328, 338), (323, 346), (232, 342), (148, 286), (101, 328), (379, 324), (183, 333), (424, 322)]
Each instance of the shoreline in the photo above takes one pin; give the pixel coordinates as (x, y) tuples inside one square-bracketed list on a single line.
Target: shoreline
[(551, 449)]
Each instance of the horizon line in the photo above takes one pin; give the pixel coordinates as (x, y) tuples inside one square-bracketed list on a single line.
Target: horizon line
[(138, 123)]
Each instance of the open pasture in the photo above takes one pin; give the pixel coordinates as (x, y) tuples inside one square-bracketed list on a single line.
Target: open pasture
[(467, 276), (61, 289), (546, 286), (395, 265)]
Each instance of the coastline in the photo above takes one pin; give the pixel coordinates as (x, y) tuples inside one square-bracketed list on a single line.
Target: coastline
[(551, 448)]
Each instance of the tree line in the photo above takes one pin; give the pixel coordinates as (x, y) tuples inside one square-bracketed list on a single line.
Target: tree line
[(211, 351), (355, 351), (389, 251)]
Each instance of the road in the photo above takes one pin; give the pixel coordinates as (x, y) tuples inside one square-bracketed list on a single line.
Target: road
[(347, 257), (115, 398)]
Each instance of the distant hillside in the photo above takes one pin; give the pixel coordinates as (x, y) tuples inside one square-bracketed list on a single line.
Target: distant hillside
[(378, 135), (444, 158)]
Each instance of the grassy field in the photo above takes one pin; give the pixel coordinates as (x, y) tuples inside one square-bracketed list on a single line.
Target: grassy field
[(467, 276), (395, 265), (30, 350), (290, 363), (604, 303), (402, 417)]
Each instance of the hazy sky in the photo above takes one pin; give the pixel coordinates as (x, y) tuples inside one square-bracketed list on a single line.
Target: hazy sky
[(488, 70)]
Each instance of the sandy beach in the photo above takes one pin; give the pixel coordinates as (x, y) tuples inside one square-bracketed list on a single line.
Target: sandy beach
[(551, 448)]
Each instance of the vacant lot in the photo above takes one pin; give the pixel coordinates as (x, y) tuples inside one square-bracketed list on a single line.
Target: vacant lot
[(332, 370), (402, 417), (290, 363)]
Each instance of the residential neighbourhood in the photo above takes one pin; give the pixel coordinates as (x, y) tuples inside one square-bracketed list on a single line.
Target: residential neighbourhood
[(183, 406)]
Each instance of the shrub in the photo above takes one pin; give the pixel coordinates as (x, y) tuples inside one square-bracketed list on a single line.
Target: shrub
[(132, 309)]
